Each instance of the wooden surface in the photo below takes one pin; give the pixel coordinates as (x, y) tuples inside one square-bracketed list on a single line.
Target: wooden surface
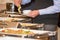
[(4, 15), (58, 33), (9, 24), (2, 6)]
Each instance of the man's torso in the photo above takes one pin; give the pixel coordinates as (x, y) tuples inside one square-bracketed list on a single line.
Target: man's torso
[(41, 4)]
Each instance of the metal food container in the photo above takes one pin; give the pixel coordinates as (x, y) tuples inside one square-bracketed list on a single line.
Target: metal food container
[(31, 26), (10, 7), (26, 18), (38, 34)]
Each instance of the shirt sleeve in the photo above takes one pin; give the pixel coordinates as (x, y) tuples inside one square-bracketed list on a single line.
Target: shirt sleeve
[(52, 9), (25, 2)]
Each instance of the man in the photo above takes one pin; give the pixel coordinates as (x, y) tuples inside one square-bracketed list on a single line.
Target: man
[(43, 11)]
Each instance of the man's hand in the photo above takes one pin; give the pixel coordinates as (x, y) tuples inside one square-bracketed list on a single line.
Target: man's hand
[(33, 13), (17, 2)]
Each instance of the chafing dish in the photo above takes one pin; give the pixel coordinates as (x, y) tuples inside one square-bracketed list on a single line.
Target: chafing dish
[(31, 26), (9, 19), (37, 34), (18, 16), (22, 32), (10, 7), (8, 12)]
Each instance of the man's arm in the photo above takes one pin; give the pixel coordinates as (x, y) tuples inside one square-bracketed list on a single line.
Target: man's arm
[(17, 2), (52, 9), (25, 2)]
